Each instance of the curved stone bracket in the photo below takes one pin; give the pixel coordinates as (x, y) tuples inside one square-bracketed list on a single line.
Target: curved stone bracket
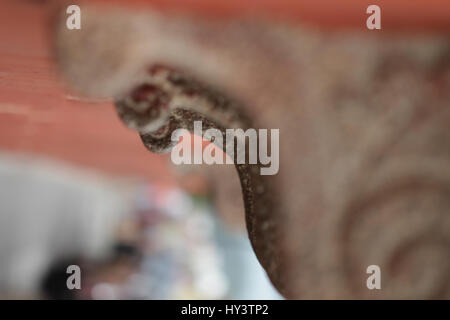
[(364, 136)]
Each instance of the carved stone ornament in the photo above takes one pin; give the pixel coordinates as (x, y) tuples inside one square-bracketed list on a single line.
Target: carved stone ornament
[(364, 124)]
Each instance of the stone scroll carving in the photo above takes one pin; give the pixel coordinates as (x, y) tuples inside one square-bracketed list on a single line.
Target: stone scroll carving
[(364, 125)]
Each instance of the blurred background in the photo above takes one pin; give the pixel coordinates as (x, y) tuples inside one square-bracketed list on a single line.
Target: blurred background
[(132, 238), (77, 187)]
